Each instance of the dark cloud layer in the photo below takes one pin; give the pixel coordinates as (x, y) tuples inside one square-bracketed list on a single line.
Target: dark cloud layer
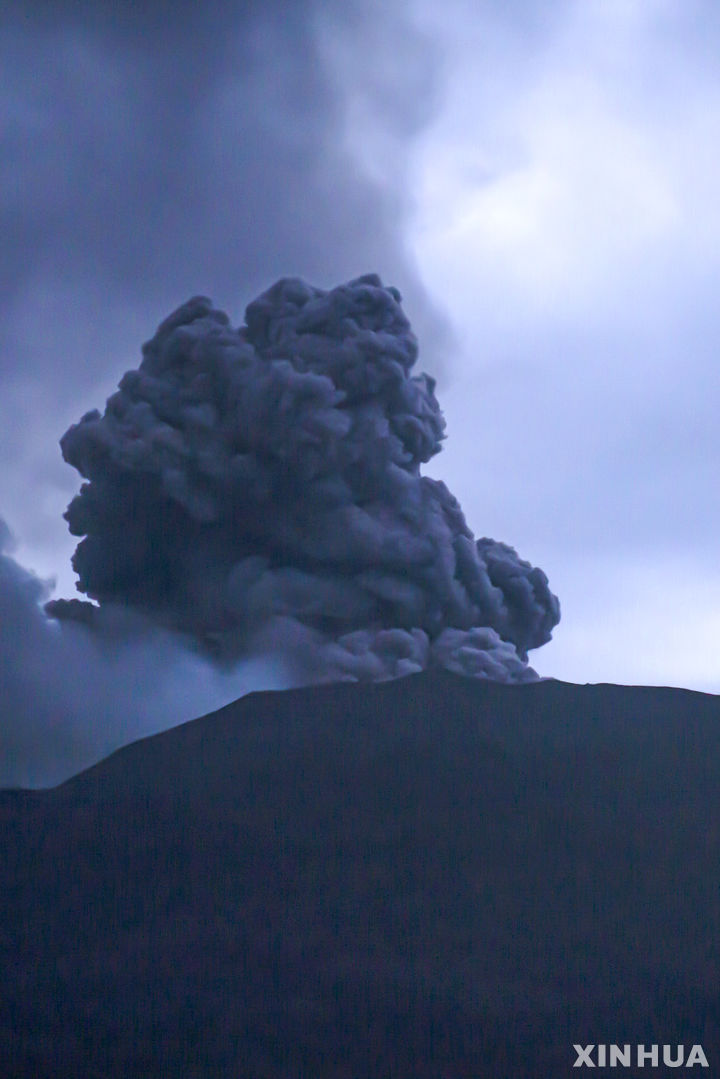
[(266, 480), (152, 148)]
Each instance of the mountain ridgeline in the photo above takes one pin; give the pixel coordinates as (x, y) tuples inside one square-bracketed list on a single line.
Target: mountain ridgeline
[(429, 877)]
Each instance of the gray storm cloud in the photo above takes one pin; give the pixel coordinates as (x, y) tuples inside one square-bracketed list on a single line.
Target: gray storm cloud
[(261, 486)]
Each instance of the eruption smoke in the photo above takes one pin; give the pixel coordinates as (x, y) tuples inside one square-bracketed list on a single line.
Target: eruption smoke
[(261, 486)]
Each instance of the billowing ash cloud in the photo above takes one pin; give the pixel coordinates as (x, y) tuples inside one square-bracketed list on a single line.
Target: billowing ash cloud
[(262, 484)]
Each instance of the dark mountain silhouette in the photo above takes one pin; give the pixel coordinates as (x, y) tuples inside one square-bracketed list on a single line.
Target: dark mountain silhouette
[(430, 877)]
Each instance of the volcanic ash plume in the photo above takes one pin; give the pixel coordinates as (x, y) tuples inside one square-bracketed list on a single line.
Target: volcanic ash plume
[(261, 487)]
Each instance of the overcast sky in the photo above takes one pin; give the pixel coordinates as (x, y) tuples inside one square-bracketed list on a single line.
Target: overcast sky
[(567, 222), (539, 180)]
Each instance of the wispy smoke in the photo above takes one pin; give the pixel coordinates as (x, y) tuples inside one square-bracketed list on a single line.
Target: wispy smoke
[(69, 696), (261, 487)]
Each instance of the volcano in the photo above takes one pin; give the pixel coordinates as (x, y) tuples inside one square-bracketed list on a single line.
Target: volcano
[(434, 876)]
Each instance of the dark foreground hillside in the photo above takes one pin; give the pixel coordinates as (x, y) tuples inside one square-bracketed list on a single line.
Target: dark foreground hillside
[(433, 877)]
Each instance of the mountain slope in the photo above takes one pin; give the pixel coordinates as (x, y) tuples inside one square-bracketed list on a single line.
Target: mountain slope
[(427, 877)]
